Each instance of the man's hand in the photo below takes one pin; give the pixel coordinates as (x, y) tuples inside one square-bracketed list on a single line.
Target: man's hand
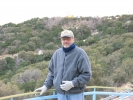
[(67, 85), (43, 89)]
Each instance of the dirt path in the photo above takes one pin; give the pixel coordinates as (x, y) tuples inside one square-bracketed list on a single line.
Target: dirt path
[(8, 55), (12, 56)]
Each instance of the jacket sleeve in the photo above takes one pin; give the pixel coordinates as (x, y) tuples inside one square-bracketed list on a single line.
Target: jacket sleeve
[(84, 68), (49, 80)]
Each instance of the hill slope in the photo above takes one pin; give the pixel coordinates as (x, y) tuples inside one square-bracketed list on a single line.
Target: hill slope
[(108, 42)]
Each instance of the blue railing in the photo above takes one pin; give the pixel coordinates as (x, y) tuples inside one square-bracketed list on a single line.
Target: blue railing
[(93, 94)]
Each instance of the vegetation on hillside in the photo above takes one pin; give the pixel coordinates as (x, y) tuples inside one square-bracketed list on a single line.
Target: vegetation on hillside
[(108, 42)]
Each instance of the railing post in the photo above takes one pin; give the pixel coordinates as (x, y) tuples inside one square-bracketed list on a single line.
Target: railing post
[(53, 92), (94, 94), (122, 97)]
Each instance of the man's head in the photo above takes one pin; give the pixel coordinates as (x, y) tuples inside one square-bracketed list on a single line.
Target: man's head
[(67, 33), (67, 38)]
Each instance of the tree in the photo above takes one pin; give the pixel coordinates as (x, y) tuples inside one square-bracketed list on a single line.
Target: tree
[(28, 78), (127, 68), (27, 56), (24, 47), (31, 45), (118, 45), (82, 32), (97, 73), (12, 50), (119, 77), (3, 64), (8, 89), (10, 63), (16, 43), (36, 40)]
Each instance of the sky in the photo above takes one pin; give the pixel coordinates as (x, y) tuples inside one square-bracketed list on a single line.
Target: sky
[(17, 11)]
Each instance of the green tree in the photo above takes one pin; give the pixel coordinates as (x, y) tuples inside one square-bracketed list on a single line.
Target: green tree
[(3, 64), (12, 50), (118, 45), (27, 79), (8, 89), (10, 63)]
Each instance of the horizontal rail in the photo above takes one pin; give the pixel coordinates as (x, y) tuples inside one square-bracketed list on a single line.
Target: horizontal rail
[(114, 96), (17, 95), (93, 93), (85, 93), (103, 87), (23, 94)]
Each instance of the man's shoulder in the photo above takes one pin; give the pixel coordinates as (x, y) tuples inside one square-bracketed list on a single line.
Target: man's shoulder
[(59, 50), (79, 49)]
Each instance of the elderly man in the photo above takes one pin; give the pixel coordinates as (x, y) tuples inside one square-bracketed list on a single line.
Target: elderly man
[(69, 70)]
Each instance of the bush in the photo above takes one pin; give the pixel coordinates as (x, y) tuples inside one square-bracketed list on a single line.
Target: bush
[(8, 89)]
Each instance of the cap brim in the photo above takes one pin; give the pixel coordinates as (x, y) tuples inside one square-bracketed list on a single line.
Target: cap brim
[(67, 36)]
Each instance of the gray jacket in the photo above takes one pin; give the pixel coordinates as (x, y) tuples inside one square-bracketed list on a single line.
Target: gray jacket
[(71, 66)]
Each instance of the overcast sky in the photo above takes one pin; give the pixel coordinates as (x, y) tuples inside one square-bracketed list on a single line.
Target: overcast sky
[(17, 11)]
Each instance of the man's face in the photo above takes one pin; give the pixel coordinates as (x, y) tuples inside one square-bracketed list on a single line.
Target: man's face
[(67, 41)]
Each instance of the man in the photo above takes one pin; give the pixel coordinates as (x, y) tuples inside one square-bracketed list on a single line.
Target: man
[(69, 70)]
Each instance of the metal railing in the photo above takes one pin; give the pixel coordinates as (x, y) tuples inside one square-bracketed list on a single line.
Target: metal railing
[(93, 93)]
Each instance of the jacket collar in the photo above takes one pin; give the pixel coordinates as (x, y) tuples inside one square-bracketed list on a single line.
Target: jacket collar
[(69, 48)]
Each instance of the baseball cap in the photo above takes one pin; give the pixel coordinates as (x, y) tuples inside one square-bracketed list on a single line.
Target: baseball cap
[(67, 33)]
